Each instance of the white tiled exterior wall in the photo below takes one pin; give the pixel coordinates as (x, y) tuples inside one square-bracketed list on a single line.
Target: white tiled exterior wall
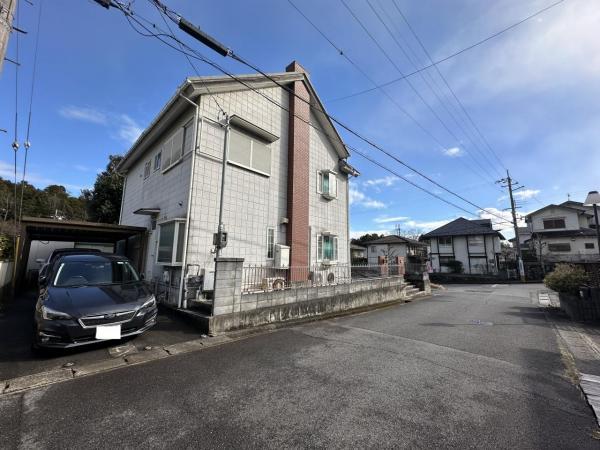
[(252, 202), (571, 218), (461, 252), (389, 250), (327, 215)]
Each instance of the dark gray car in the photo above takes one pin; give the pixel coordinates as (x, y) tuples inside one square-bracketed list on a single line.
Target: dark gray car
[(88, 298)]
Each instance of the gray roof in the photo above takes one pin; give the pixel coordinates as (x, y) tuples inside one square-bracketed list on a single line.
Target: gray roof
[(357, 247), (394, 239), (564, 205), (464, 227)]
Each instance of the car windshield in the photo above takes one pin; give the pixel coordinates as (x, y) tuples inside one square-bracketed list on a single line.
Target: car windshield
[(93, 273)]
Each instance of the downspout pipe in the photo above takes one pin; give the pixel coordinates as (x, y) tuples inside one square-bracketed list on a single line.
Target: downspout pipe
[(197, 125)]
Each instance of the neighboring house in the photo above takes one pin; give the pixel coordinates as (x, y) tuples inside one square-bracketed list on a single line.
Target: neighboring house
[(286, 180), (392, 246), (472, 242), (357, 252), (524, 236), (563, 233)]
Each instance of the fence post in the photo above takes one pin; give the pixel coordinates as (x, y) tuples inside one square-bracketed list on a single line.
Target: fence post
[(228, 285), (426, 283)]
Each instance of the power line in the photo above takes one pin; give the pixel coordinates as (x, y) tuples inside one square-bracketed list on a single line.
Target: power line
[(410, 84), (401, 47), (476, 44), (458, 101), (382, 90), (27, 143), (333, 119)]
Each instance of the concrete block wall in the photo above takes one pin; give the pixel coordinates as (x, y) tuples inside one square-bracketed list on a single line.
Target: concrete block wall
[(254, 309), (228, 286)]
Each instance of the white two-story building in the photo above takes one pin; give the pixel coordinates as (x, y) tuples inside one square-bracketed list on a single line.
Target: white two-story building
[(285, 192), (562, 233), (470, 246)]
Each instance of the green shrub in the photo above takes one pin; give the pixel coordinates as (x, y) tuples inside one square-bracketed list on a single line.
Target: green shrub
[(455, 266), (566, 279)]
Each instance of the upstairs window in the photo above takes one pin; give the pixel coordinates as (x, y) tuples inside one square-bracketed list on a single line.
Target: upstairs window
[(327, 247), (170, 242), (327, 183), (445, 240), (559, 247), (146, 169), (180, 143), (249, 152), (589, 245), (157, 161), (551, 224), (475, 242)]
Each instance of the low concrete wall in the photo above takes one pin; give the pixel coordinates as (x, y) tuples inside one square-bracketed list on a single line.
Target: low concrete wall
[(295, 304)]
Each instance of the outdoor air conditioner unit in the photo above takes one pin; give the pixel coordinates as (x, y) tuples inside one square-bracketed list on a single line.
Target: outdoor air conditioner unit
[(273, 284), (281, 257)]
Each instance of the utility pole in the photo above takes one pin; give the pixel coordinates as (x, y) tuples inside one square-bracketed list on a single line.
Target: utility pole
[(508, 182), (7, 12)]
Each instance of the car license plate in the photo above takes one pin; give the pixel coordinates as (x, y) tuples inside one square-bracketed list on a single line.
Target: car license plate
[(108, 331)]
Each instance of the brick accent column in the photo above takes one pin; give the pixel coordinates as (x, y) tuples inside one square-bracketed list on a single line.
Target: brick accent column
[(298, 172)]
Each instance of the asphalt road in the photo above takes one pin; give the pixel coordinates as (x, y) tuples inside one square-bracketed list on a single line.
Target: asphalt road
[(472, 367)]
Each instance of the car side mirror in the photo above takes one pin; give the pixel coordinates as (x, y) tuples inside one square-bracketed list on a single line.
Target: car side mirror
[(42, 280), (142, 276)]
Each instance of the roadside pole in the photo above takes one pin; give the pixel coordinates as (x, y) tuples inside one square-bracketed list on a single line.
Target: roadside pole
[(509, 182)]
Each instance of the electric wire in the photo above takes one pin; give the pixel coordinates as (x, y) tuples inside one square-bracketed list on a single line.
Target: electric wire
[(444, 79), (453, 55), (408, 81), (382, 90), (434, 91), (202, 58), (27, 142), (162, 9)]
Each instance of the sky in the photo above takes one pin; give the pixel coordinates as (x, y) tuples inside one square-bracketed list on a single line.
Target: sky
[(532, 92)]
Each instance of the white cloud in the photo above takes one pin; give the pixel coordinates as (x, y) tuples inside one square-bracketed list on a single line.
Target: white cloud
[(526, 193), (540, 55), (129, 130), (84, 114), (385, 181), (390, 219), (124, 127), (358, 198), (426, 225), (453, 152), (504, 221)]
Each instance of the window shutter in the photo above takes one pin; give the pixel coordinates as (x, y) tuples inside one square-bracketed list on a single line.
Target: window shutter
[(177, 145), (319, 182), (335, 248), (167, 153), (320, 247), (333, 185)]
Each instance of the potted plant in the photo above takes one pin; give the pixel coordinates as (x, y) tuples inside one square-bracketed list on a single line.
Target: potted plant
[(567, 280)]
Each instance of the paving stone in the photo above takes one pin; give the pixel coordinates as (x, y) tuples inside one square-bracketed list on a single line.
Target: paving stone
[(147, 355)]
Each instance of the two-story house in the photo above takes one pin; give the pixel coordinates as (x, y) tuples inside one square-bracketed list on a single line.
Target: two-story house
[(562, 233), (284, 196), (387, 248), (472, 246)]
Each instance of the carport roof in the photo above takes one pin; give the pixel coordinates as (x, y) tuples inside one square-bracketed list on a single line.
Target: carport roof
[(39, 228)]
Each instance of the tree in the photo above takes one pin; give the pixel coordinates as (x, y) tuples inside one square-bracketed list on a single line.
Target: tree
[(366, 238), (103, 202)]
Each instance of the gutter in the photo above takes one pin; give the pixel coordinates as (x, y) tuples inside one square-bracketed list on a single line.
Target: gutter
[(197, 124)]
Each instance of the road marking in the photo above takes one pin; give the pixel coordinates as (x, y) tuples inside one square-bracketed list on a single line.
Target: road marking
[(494, 285)]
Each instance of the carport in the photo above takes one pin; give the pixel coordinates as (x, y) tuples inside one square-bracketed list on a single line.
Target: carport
[(127, 240)]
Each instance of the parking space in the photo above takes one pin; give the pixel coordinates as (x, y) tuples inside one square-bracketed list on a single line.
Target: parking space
[(16, 335)]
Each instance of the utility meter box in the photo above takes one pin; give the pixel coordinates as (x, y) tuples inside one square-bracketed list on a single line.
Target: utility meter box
[(282, 256)]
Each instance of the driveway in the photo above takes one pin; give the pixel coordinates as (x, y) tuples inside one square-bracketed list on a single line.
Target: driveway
[(16, 328), (471, 367)]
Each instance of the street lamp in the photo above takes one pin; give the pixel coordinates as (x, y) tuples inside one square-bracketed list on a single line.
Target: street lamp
[(593, 199)]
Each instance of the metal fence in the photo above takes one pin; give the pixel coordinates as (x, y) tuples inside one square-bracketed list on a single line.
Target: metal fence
[(262, 278)]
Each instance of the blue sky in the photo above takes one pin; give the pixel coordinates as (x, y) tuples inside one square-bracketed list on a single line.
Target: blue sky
[(533, 92)]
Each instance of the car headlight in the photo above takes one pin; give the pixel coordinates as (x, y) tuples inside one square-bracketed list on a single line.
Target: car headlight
[(149, 303), (51, 314)]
